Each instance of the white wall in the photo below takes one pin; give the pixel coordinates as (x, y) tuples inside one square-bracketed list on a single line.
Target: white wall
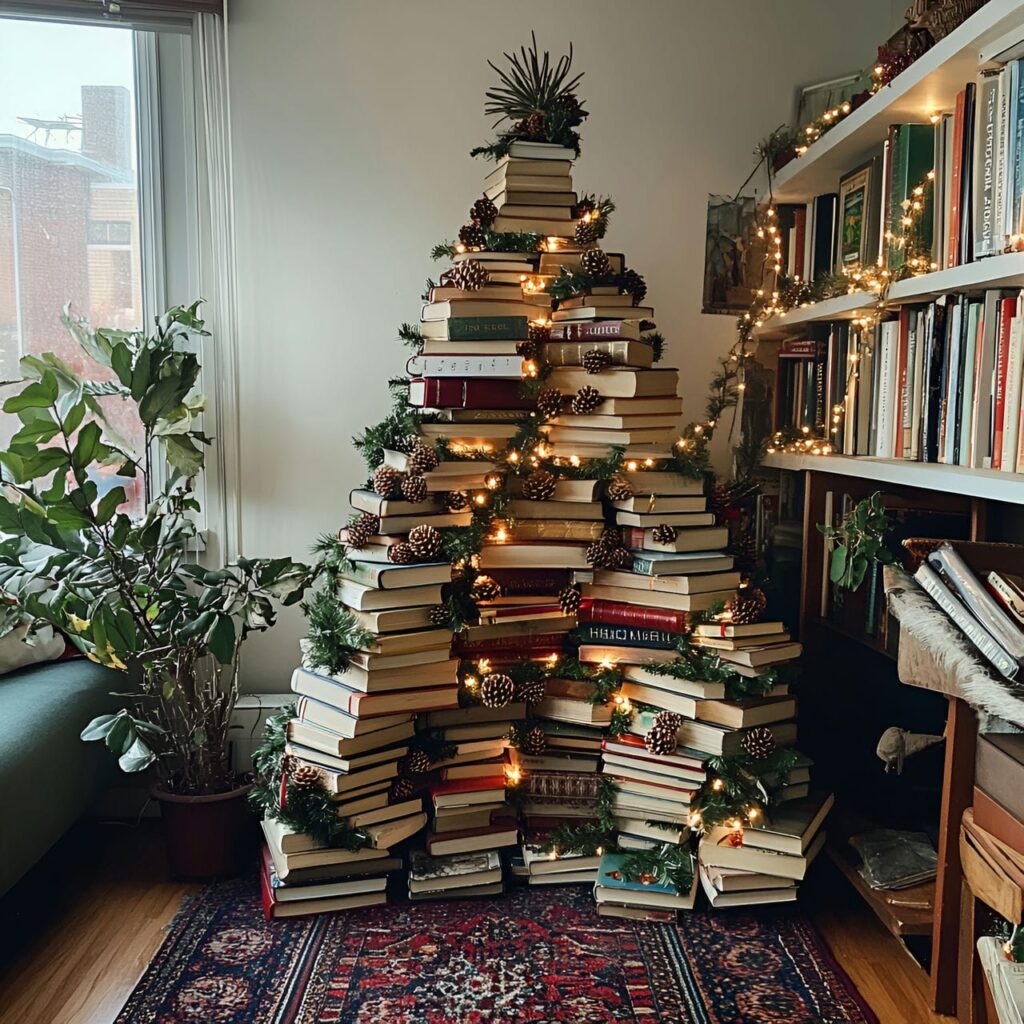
[(352, 121)]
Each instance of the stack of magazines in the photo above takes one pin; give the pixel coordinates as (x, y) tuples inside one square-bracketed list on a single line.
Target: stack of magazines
[(990, 612)]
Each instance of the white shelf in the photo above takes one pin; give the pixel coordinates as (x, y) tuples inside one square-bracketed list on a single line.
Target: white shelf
[(990, 484), (1005, 271), (928, 86)]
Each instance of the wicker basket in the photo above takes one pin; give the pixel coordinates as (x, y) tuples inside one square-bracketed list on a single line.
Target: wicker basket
[(945, 15)]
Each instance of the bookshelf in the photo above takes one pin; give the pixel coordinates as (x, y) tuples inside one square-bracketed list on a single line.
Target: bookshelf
[(928, 85)]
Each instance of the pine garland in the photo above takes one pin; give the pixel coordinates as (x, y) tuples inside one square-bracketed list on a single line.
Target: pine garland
[(494, 241), (411, 336), (665, 864), (739, 790), (333, 634)]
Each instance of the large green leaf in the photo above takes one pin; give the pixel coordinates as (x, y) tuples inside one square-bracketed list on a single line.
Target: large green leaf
[(221, 640), (137, 757), (39, 394), (183, 455), (87, 445), (98, 728), (109, 504)]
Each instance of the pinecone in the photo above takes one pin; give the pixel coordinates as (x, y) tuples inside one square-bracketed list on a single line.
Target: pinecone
[(425, 542), (633, 284), (386, 481), (497, 690), (619, 489), (748, 606), (422, 459), (585, 234), (569, 599), (531, 691), (720, 500), (483, 212), (664, 534), (595, 262), (598, 555), (361, 530), (438, 615), (485, 589), (408, 442), (526, 349), (472, 236), (401, 789), (608, 551), (538, 333), (414, 488), (401, 554), (539, 485), (417, 763), (455, 501), (471, 276), (533, 741), (549, 402), (758, 743), (531, 127), (744, 549), (289, 762), (305, 777), (620, 558), (661, 738), (586, 400), (596, 360)]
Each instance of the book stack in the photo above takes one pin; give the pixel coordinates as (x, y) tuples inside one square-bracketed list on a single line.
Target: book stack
[(532, 189), (763, 864), (750, 648), (454, 876), (555, 868), (618, 896), (300, 876)]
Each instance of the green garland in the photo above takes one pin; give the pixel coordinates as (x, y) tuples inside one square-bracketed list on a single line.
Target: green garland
[(411, 336), (741, 789), (494, 241), (333, 635)]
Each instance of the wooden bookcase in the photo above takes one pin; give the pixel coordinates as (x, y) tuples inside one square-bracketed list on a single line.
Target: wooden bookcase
[(850, 690)]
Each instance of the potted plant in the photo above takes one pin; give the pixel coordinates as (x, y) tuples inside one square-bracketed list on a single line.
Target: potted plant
[(126, 588)]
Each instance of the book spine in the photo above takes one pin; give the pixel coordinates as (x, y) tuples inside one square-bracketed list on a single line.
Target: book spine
[(965, 622), (1017, 114), (621, 353), (488, 328), (985, 166), (1006, 594), (628, 636), (620, 614), (605, 330), (530, 582), (1012, 398), (457, 393), (502, 367), (503, 647), (953, 250), (1002, 364)]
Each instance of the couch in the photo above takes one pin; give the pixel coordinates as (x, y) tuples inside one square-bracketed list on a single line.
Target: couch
[(48, 775)]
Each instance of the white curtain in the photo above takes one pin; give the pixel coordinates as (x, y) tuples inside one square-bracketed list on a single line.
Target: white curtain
[(217, 275)]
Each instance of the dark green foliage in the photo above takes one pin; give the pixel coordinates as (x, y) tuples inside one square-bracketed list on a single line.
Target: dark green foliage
[(575, 282), (743, 784), (427, 286), (333, 635), (597, 469), (411, 336), (657, 341), (604, 205), (669, 864), (390, 433), (858, 541)]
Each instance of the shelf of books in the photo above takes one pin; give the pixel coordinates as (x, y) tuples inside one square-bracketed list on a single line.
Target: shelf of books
[(929, 85)]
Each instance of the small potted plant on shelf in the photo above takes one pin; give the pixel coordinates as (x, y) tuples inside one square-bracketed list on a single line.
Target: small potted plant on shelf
[(126, 588)]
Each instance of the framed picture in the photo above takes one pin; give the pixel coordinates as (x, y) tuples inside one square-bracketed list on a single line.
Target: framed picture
[(858, 240), (734, 257), (814, 100)]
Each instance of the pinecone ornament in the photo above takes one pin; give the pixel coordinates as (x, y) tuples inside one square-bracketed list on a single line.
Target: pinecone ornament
[(425, 542), (470, 276), (438, 615), (758, 743), (455, 501), (401, 789), (538, 333), (585, 234), (386, 481), (531, 691), (664, 534), (306, 777), (414, 488), (634, 285), (586, 400), (569, 599), (619, 489), (598, 555), (360, 531), (401, 554), (620, 558), (533, 741), (497, 690), (485, 589), (596, 360), (661, 737), (289, 763), (483, 212), (422, 459), (549, 402), (748, 606), (539, 485), (472, 236), (595, 262), (527, 349), (417, 763)]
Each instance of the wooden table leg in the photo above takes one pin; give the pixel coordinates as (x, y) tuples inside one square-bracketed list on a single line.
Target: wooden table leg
[(957, 793)]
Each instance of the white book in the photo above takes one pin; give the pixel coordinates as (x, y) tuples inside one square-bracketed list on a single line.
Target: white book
[(970, 344), (1012, 397), (888, 338)]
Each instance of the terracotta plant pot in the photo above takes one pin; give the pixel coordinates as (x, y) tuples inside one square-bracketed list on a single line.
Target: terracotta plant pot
[(206, 836)]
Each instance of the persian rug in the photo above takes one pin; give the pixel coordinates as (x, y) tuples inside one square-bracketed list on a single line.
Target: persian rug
[(534, 956)]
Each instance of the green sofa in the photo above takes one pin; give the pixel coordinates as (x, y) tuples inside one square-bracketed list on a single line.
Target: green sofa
[(48, 776)]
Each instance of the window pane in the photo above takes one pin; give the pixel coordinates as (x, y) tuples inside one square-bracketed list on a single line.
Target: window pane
[(69, 210)]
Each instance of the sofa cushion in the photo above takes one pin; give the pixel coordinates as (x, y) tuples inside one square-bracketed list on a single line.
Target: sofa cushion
[(48, 775)]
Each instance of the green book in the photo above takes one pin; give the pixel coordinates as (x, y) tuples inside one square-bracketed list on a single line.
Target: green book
[(486, 328), (911, 157)]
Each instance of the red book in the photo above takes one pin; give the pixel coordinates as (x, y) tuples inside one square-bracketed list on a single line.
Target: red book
[(901, 381), (477, 393), (527, 582), (798, 348), (266, 892), (603, 330), (1007, 307), (618, 613), (953, 250), (470, 785), (546, 643)]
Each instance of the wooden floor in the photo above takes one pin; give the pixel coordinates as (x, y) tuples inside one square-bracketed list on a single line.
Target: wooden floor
[(78, 933)]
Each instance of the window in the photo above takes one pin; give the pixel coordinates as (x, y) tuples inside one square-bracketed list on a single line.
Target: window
[(82, 192)]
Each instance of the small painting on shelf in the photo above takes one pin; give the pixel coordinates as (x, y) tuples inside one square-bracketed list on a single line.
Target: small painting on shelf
[(734, 257), (858, 232)]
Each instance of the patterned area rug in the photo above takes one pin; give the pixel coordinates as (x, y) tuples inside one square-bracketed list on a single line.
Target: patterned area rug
[(534, 956)]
